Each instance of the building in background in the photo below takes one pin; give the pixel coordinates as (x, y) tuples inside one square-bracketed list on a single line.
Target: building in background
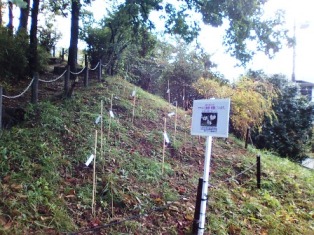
[(307, 89)]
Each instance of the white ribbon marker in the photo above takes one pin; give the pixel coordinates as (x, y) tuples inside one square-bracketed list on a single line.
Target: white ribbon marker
[(98, 119), (90, 159), (111, 114), (171, 114), (166, 138)]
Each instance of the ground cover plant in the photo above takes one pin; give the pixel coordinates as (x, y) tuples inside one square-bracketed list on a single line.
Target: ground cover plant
[(46, 188)]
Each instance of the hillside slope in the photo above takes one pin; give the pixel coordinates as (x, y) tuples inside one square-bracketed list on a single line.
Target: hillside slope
[(141, 188)]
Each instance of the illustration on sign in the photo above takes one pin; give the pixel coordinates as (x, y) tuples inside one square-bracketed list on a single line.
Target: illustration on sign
[(211, 117)]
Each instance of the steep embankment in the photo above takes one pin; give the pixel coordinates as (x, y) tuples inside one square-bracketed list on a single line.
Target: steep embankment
[(141, 188)]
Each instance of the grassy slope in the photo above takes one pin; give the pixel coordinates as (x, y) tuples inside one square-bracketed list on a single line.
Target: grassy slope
[(46, 188)]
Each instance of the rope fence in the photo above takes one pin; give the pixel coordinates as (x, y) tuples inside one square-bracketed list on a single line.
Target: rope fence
[(33, 85), (22, 93), (78, 73), (53, 80)]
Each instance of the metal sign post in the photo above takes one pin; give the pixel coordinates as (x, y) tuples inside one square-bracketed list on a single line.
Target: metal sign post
[(201, 226), (210, 118)]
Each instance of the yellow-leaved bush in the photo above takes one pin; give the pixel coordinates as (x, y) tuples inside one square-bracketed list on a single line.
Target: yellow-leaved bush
[(251, 101)]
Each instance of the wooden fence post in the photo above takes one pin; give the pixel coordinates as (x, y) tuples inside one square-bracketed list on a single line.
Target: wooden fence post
[(86, 72), (100, 71), (247, 137), (258, 171), (34, 98), (1, 92), (66, 81)]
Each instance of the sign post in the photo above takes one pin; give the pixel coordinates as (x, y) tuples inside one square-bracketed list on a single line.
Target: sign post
[(210, 118)]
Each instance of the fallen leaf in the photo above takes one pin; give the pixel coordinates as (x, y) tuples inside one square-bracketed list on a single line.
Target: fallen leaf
[(16, 187), (7, 226), (189, 217), (3, 221), (173, 208), (158, 200)]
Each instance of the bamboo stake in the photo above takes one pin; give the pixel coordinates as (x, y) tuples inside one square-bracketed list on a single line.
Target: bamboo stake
[(168, 91), (110, 117), (109, 125), (133, 112), (94, 176), (112, 211), (175, 123), (164, 145), (101, 130), (185, 134)]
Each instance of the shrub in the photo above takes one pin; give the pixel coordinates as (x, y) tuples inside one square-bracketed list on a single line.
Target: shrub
[(13, 55), (290, 133)]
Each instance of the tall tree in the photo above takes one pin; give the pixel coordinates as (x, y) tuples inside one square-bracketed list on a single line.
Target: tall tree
[(289, 133), (19, 3), (24, 13), (33, 55), (1, 6), (75, 12), (10, 23)]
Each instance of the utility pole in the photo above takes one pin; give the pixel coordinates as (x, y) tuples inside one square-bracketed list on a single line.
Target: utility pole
[(294, 53)]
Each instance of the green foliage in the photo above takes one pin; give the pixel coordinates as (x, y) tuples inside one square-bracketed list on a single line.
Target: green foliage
[(48, 35), (289, 134), (117, 33), (43, 59), (13, 55)]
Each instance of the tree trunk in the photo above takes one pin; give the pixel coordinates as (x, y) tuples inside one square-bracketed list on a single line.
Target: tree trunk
[(24, 12), (72, 60), (10, 23), (1, 5), (33, 56)]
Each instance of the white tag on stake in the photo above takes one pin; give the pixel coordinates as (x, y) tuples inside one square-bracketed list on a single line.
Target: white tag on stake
[(98, 119), (111, 114), (171, 114), (90, 159), (168, 91), (166, 138), (133, 93)]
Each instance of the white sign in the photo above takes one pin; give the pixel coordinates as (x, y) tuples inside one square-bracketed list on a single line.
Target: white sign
[(210, 117), (171, 114), (133, 93)]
